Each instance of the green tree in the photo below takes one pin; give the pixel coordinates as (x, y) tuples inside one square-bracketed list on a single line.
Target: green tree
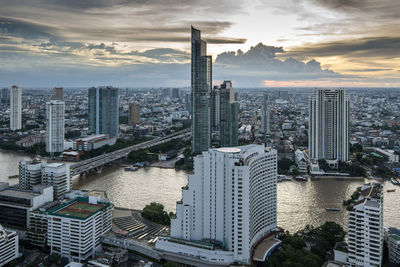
[(155, 212)]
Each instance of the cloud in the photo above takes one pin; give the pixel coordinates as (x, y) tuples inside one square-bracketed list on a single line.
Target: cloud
[(261, 63)]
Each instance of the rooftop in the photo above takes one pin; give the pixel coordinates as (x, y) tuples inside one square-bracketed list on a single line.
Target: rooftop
[(229, 149), (79, 209), (18, 193)]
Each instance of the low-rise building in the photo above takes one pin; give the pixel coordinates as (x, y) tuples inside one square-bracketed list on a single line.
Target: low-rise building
[(17, 204), (74, 228), (301, 161), (8, 246), (393, 241), (93, 142), (387, 154)]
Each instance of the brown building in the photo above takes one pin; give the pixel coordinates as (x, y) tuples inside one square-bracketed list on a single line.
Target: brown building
[(134, 113)]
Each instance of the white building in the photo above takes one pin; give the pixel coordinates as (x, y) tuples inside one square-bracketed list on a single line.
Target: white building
[(57, 175), (301, 161), (15, 108), (8, 246), (30, 174), (328, 135), (365, 234), (55, 126), (228, 206), (74, 229), (93, 142)]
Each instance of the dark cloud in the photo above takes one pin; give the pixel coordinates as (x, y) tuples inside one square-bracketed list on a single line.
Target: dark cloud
[(24, 29), (384, 47)]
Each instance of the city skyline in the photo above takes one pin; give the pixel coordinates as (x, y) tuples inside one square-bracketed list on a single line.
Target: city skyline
[(312, 43)]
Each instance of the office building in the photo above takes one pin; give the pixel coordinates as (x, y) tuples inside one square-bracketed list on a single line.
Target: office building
[(55, 123), (103, 110), (57, 175), (229, 112), (328, 134), (215, 111), (365, 228), (15, 108), (176, 93), (134, 113), (17, 204), (201, 94), (227, 208), (93, 142), (188, 102), (265, 116), (8, 246), (30, 174), (4, 97), (58, 94), (74, 229)]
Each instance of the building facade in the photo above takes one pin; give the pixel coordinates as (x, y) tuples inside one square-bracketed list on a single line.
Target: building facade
[(103, 110), (58, 94), (93, 142), (30, 174), (328, 135), (228, 206), (55, 123), (365, 228), (393, 241), (8, 246), (74, 229), (215, 97), (229, 112), (57, 175), (15, 108), (265, 116), (134, 113), (201, 94)]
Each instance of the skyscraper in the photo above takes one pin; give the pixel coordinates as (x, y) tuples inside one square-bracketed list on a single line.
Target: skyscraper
[(55, 123), (228, 206), (365, 235), (229, 112), (328, 135), (103, 110), (265, 116), (215, 111), (15, 108), (201, 94), (4, 97), (58, 94), (134, 113)]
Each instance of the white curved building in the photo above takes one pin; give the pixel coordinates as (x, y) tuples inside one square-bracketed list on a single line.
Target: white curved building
[(228, 206)]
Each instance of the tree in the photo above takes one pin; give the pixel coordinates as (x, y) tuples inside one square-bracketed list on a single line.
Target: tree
[(285, 163), (155, 212), (54, 257)]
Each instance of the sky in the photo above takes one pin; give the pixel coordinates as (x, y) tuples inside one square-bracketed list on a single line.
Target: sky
[(146, 43)]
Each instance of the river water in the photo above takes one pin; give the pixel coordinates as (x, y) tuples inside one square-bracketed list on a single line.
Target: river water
[(299, 203)]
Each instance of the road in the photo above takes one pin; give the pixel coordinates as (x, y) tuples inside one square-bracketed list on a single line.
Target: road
[(98, 161)]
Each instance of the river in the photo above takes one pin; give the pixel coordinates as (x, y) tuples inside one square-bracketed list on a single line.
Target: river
[(299, 203)]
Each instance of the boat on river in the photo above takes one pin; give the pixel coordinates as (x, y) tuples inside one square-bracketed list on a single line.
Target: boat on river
[(131, 168), (395, 181), (391, 190)]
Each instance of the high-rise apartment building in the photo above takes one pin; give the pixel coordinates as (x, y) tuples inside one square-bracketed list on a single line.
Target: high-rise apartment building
[(265, 116), (4, 97), (30, 174), (229, 112), (134, 113), (15, 108), (215, 110), (55, 123), (103, 110), (328, 134), (201, 94), (188, 102), (228, 206), (57, 175), (393, 241), (58, 94), (365, 228), (8, 246)]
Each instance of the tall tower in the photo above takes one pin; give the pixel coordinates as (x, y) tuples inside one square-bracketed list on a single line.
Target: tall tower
[(265, 116), (134, 113), (229, 112), (103, 110), (365, 235), (228, 206), (15, 108), (55, 123), (328, 135), (201, 94)]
